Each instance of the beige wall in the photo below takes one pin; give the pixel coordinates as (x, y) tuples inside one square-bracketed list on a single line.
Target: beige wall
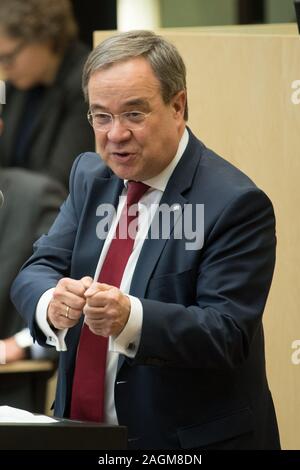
[(240, 105)]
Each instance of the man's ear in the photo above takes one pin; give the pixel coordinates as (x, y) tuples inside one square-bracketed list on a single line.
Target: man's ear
[(179, 103)]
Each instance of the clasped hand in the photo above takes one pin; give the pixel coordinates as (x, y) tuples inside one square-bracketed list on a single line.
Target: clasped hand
[(106, 308)]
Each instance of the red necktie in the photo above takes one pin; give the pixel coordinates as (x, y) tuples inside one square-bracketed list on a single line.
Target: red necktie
[(87, 401)]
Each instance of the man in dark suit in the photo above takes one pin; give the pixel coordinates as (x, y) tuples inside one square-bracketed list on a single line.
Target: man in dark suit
[(185, 364)]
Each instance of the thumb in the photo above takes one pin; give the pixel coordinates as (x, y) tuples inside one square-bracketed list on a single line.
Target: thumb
[(96, 287), (93, 288), (87, 281)]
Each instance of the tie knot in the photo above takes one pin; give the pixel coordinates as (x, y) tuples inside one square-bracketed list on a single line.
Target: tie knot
[(136, 189)]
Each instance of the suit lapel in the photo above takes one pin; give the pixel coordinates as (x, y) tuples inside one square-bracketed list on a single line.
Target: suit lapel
[(179, 184), (152, 248), (175, 195)]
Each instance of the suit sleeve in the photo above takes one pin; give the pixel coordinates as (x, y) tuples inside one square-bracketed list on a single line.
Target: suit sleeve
[(232, 278)]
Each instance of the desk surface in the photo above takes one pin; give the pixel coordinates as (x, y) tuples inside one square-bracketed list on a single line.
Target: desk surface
[(26, 366)]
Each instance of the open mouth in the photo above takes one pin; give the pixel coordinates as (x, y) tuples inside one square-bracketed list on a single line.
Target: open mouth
[(122, 154)]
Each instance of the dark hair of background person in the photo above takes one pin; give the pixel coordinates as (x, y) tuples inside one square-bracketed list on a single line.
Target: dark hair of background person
[(39, 21)]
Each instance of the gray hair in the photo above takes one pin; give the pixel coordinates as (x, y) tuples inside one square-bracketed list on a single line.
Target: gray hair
[(165, 60), (39, 21)]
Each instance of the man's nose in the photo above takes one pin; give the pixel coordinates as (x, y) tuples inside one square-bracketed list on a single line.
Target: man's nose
[(118, 131)]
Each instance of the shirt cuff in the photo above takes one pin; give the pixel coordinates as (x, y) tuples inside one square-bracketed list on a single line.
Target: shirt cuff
[(127, 342), (54, 338), (23, 338)]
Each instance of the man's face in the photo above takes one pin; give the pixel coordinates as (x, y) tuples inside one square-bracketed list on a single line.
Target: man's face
[(132, 86), (25, 65)]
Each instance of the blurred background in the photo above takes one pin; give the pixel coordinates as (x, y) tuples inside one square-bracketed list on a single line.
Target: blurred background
[(176, 13)]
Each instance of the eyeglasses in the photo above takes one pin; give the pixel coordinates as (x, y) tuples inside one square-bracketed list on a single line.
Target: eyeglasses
[(131, 120), (7, 59)]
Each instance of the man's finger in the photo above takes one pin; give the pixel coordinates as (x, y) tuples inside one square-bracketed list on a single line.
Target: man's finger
[(87, 281), (96, 287)]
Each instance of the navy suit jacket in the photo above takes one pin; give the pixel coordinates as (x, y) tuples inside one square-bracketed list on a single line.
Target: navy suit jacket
[(198, 379)]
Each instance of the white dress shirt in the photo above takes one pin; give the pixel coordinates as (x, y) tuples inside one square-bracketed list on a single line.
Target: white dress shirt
[(127, 341)]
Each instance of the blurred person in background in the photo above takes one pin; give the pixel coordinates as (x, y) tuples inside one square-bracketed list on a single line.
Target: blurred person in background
[(43, 126), (31, 203), (44, 120)]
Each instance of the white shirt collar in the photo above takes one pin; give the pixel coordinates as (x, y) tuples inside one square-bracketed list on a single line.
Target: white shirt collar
[(160, 181)]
